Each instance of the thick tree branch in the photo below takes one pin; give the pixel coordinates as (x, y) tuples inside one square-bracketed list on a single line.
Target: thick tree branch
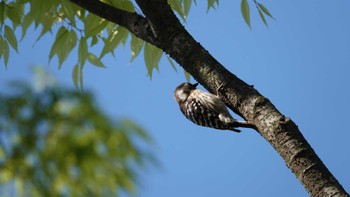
[(168, 34), (279, 131)]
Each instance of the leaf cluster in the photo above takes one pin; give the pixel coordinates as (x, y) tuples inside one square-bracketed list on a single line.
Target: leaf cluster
[(263, 11), (80, 32), (57, 142)]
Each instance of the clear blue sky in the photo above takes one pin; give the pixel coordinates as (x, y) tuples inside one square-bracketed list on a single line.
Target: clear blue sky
[(301, 63)]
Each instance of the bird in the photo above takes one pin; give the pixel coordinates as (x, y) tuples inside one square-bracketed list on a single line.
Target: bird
[(206, 109)]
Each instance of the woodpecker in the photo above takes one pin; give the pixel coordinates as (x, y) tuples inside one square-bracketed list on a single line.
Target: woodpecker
[(206, 109)]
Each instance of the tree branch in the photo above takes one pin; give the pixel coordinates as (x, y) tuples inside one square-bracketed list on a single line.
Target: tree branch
[(135, 23), (279, 131), (282, 133)]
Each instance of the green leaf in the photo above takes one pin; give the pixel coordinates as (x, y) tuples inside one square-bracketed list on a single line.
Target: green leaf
[(1, 46), (15, 15), (171, 63), (136, 45), (46, 25), (60, 37), (82, 51), (187, 75), (176, 6), (122, 34), (64, 43), (27, 21), (187, 7), (42, 11), (22, 1), (211, 4), (265, 10), (94, 40), (11, 37), (68, 45), (81, 78), (93, 25), (246, 12), (93, 59), (124, 5), (152, 56), (119, 35), (75, 76), (108, 46), (2, 12), (263, 17), (69, 11), (97, 30), (4, 50)]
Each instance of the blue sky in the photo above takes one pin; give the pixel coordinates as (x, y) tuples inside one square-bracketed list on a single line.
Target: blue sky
[(301, 63)]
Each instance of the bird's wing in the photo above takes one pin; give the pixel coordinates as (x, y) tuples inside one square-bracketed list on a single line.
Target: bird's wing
[(211, 101)]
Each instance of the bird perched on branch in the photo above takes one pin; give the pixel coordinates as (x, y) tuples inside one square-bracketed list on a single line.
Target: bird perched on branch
[(206, 109)]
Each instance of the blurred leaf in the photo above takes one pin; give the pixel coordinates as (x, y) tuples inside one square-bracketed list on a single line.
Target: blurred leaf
[(140, 132), (57, 142), (245, 12), (152, 56), (11, 37)]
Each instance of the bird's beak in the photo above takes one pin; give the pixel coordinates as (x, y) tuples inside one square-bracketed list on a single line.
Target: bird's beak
[(195, 85)]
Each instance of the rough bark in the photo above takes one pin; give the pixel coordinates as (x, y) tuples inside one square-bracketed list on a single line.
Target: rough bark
[(161, 28)]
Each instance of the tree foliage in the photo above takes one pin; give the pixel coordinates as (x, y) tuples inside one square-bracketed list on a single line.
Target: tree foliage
[(57, 142), (79, 31)]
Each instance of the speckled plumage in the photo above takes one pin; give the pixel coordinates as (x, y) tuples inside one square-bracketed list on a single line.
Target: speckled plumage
[(204, 108)]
